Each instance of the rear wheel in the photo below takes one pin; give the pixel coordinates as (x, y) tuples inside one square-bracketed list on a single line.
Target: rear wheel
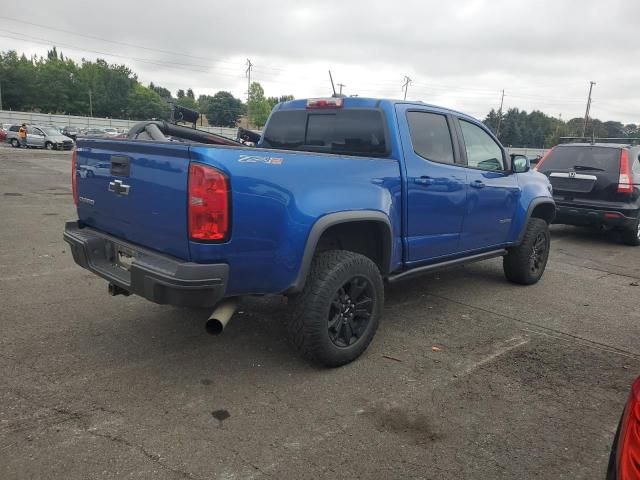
[(631, 236), (15, 143), (333, 320), (525, 263)]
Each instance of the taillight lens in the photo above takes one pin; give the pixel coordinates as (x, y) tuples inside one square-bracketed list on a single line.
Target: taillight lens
[(546, 155), (319, 103), (628, 452), (208, 204), (625, 182), (74, 176)]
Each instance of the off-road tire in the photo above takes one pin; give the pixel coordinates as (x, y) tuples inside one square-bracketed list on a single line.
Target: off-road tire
[(631, 236), (525, 263), (312, 319)]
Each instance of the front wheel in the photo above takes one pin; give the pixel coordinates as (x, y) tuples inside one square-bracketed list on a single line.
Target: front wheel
[(333, 320), (48, 146), (525, 263)]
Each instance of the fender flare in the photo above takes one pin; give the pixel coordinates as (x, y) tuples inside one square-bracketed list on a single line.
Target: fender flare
[(532, 206), (325, 222)]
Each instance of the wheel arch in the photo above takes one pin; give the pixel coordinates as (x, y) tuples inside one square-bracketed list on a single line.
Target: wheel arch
[(335, 226), (544, 208)]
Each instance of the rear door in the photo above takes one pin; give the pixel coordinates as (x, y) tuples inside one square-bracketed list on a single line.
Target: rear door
[(493, 190), (583, 172), (135, 191), (436, 183)]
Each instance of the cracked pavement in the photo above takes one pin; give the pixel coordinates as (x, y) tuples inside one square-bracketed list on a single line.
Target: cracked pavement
[(527, 382)]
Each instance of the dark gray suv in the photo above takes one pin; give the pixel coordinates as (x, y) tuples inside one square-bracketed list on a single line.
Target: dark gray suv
[(596, 184)]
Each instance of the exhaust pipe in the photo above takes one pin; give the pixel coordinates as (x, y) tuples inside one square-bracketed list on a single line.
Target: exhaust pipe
[(221, 315)]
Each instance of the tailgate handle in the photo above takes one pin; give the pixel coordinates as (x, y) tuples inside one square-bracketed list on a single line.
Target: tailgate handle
[(120, 165)]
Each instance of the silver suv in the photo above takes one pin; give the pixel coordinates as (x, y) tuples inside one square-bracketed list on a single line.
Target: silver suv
[(40, 137)]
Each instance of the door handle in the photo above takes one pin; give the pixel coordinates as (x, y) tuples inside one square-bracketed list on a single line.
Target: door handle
[(477, 184), (424, 180)]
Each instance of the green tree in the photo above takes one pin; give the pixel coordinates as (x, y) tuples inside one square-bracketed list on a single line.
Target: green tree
[(145, 104), (258, 106), (187, 102), (163, 92), (203, 103), (223, 109), (180, 93), (190, 94), (273, 101), (109, 86)]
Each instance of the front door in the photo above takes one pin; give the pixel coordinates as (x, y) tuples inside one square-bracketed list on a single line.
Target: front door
[(35, 137), (493, 191), (435, 184)]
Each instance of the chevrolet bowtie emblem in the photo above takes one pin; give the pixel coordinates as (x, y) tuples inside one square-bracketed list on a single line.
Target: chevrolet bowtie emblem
[(117, 187)]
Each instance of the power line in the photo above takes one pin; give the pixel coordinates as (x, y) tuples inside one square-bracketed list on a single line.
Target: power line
[(116, 42)]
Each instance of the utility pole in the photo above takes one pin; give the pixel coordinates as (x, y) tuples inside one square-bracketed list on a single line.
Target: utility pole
[(248, 74), (586, 115), (500, 114), (341, 85), (405, 85), (90, 104)]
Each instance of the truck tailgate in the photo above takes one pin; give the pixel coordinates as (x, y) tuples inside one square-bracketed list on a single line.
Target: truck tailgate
[(136, 191)]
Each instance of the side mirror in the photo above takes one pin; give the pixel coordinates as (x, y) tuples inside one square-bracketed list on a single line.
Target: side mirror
[(520, 164)]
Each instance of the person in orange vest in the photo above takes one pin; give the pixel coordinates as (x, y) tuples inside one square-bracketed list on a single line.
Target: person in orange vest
[(22, 133)]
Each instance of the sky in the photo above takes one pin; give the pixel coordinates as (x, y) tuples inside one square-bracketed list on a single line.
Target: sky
[(458, 54)]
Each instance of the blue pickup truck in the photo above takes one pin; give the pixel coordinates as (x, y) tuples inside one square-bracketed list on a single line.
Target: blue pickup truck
[(340, 196)]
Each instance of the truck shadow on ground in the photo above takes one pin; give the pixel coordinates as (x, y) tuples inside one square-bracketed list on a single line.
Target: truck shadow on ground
[(256, 334)]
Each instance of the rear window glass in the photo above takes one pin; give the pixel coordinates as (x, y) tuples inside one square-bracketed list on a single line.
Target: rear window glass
[(597, 158), (349, 132)]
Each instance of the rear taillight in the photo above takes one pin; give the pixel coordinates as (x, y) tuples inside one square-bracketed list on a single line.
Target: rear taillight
[(628, 451), (546, 155), (625, 182), (208, 204), (74, 176)]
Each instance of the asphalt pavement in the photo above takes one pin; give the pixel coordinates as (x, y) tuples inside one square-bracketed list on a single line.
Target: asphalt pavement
[(469, 377)]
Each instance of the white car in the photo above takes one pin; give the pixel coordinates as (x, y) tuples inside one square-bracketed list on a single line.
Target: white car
[(111, 132)]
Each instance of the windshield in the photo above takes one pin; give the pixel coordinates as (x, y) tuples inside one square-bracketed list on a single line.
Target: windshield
[(50, 131)]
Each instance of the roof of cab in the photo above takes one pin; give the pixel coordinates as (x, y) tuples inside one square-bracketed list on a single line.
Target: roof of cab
[(365, 102)]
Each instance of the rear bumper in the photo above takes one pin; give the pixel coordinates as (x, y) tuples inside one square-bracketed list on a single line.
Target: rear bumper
[(156, 277), (571, 215)]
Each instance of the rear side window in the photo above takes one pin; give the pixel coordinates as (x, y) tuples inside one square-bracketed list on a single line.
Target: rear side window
[(15, 128), (348, 132), (605, 159), (430, 136)]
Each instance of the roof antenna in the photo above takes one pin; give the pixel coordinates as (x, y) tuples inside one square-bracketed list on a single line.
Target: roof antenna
[(332, 85)]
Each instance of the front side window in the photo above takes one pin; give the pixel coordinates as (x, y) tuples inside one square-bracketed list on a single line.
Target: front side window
[(430, 136), (482, 151)]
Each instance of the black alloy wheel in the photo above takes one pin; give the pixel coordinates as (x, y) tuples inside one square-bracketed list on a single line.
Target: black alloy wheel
[(350, 311)]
